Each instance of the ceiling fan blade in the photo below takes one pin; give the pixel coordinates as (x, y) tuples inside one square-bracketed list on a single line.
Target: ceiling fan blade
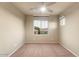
[(48, 3), (51, 3)]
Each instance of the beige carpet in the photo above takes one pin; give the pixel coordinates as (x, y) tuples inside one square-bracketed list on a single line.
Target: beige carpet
[(42, 50)]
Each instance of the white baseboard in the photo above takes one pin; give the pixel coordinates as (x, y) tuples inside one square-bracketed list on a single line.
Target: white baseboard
[(40, 42), (69, 50), (19, 46)]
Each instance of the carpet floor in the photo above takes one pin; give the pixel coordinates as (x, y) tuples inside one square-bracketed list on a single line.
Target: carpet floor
[(42, 50)]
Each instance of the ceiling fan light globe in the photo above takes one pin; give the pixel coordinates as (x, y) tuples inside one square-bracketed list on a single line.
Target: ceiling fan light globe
[(43, 9)]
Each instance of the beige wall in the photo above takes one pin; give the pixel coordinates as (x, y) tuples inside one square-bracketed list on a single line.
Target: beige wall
[(52, 36), (11, 29), (69, 33)]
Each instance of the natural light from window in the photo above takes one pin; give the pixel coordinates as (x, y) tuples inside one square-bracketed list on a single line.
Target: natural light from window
[(40, 25)]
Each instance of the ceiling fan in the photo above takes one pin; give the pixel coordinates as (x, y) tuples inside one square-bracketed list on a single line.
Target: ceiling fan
[(43, 8)]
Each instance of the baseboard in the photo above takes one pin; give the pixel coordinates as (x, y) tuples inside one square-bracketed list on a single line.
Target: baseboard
[(69, 50), (16, 49), (41, 42)]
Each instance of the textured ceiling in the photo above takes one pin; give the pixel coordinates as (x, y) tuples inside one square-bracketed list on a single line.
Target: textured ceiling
[(57, 7)]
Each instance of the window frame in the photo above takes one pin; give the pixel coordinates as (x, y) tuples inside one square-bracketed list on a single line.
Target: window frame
[(62, 21), (40, 20)]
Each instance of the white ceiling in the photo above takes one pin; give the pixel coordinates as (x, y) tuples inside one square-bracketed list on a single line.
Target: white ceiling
[(57, 7)]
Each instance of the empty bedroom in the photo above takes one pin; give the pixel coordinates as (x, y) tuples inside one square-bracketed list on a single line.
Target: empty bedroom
[(39, 29)]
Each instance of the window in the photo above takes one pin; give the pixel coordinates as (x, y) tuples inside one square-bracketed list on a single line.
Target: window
[(62, 20), (40, 25)]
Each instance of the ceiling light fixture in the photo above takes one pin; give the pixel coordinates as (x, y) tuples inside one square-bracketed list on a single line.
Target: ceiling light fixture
[(43, 9)]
